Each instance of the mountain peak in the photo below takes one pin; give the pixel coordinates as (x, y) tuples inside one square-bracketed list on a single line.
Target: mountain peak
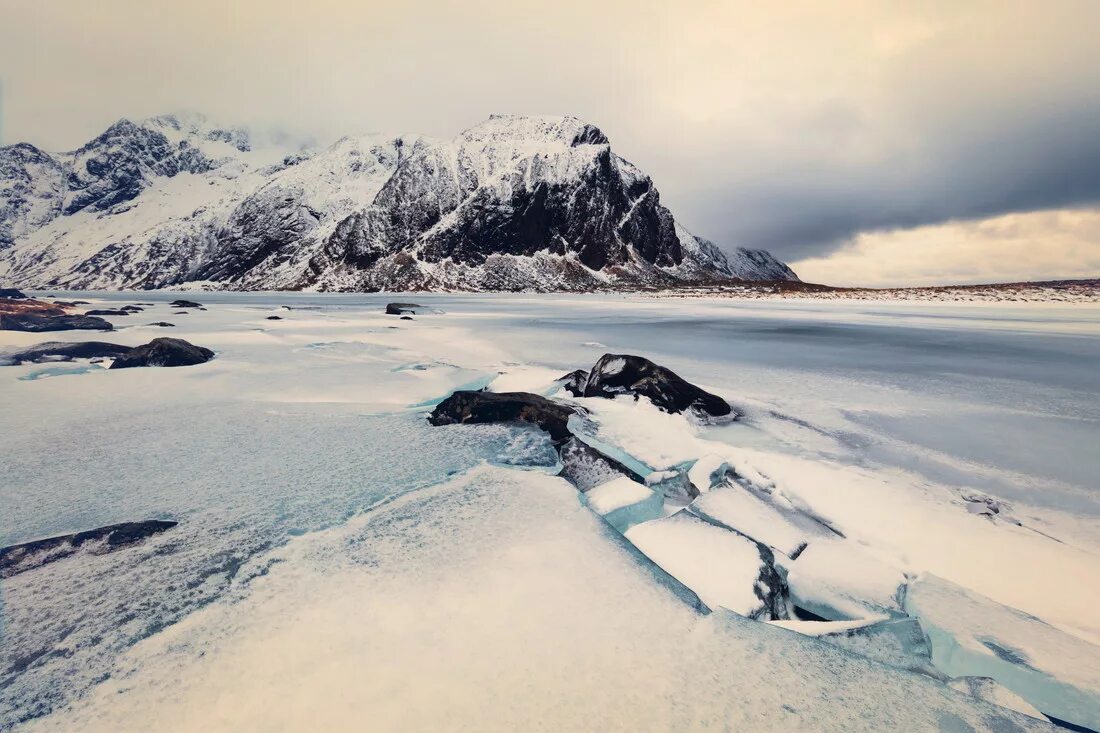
[(531, 129)]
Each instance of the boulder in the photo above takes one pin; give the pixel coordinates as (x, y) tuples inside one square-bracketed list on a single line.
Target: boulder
[(274, 318), (573, 382), (66, 351), (406, 318), (132, 308), (11, 293), (184, 304), (107, 312), (400, 309), (163, 352), (502, 407), (30, 555), (616, 374), (163, 324), (37, 323)]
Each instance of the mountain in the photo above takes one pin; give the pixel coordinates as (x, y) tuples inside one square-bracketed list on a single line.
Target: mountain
[(514, 203)]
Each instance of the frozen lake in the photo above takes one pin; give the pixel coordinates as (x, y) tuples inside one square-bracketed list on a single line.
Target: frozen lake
[(308, 485)]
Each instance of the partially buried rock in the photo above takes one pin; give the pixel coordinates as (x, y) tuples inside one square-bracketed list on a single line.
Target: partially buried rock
[(163, 324), (107, 312), (63, 351), (132, 308), (274, 318), (406, 318), (11, 293), (36, 323), (495, 407), (616, 374), (184, 304), (30, 555), (574, 382), (400, 309), (164, 352)]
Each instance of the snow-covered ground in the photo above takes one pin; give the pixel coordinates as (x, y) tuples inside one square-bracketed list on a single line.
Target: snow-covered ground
[(340, 564)]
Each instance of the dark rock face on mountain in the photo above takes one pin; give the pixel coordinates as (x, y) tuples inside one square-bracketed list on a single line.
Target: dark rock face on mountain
[(37, 323), (616, 374), (514, 203), (163, 352), (30, 555), (66, 351), (499, 407)]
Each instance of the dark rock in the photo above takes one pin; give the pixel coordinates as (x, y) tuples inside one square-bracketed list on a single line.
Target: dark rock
[(107, 312), (574, 382), (30, 555), (184, 304), (163, 324), (400, 309), (585, 467), (406, 318), (11, 293), (274, 318), (616, 374), (163, 352), (63, 351), (132, 308), (497, 407), (36, 323)]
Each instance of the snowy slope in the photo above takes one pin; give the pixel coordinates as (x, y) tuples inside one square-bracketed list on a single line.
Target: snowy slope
[(514, 203)]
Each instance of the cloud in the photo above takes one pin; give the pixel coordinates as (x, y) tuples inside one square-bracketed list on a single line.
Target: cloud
[(792, 126), (1041, 245)]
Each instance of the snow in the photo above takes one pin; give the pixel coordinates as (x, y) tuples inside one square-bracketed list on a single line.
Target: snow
[(722, 567), (839, 581), (988, 689), (624, 502), (736, 507)]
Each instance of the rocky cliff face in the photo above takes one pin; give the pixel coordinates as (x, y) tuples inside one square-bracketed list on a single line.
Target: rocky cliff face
[(515, 203)]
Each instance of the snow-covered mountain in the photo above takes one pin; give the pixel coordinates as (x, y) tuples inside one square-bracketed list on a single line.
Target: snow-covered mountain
[(514, 203)]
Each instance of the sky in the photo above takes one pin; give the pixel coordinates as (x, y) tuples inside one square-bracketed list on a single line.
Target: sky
[(866, 143)]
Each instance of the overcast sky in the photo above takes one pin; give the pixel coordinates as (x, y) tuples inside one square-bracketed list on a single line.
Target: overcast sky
[(852, 138)]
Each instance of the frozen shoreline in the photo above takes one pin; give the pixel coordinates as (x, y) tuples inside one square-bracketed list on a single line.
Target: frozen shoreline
[(889, 422)]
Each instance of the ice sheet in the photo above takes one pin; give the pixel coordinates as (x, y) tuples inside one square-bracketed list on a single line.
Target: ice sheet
[(493, 602)]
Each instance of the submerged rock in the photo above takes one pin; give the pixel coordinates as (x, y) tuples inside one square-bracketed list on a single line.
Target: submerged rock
[(616, 374), (37, 323), (107, 312), (163, 324), (400, 309), (12, 293), (163, 352), (65, 351), (274, 318), (184, 304), (30, 555), (496, 407)]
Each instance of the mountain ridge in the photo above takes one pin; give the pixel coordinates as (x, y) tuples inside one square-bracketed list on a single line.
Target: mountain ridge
[(517, 202)]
